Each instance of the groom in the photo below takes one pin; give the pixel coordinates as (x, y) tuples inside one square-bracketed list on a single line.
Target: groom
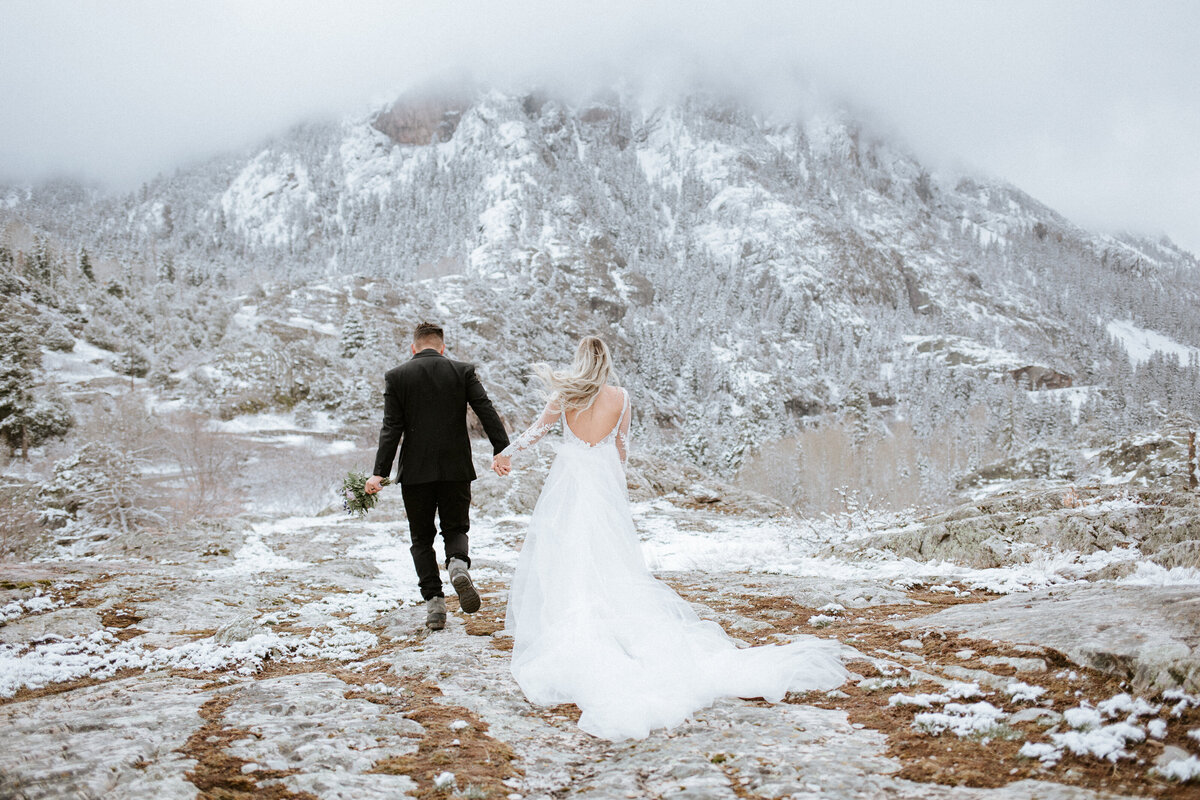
[(425, 406)]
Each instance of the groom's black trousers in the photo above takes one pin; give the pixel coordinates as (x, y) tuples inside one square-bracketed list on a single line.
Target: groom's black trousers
[(450, 501)]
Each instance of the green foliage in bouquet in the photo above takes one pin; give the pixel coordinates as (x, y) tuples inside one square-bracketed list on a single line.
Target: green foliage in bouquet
[(354, 494)]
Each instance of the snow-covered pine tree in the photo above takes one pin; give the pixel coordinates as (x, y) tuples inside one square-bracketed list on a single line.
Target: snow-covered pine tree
[(354, 335), (85, 264), (19, 358), (25, 420), (165, 271)]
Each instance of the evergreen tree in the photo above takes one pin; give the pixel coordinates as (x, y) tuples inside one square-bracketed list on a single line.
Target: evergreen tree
[(354, 336), (25, 421), (194, 274), (19, 359), (39, 263), (85, 265), (166, 269), (858, 412)]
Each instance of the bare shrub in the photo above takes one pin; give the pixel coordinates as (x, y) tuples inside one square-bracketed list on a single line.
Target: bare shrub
[(123, 421), (20, 525), (99, 485), (210, 467), (305, 478), (184, 469), (98, 476), (832, 466)]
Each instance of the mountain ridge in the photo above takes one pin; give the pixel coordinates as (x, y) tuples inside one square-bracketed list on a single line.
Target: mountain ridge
[(755, 274)]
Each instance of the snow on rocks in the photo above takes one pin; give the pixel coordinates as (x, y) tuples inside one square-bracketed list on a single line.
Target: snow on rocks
[(1095, 624), (1090, 736), (980, 720), (119, 739), (1125, 703), (1024, 692), (1083, 718), (963, 691), (255, 557), (1183, 770), (100, 655), (1183, 701), (953, 691), (349, 603), (1106, 741), (1048, 754), (923, 700), (31, 605)]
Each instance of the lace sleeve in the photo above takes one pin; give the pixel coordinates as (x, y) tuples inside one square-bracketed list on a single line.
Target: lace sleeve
[(623, 430), (529, 438)]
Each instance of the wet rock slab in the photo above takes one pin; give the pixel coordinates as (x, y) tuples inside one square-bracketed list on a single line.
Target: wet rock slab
[(1148, 635), (118, 739)]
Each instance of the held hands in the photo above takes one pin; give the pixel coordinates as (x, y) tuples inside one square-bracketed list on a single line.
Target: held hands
[(373, 484), (502, 465)]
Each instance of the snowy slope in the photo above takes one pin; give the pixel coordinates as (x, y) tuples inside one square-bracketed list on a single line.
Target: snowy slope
[(749, 270)]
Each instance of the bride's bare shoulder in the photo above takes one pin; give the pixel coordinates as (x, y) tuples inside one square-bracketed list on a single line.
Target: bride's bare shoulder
[(615, 393)]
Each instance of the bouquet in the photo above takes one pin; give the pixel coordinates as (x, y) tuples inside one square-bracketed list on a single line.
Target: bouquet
[(354, 494)]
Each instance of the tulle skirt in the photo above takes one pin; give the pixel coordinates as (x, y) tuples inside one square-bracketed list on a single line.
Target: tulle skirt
[(592, 626)]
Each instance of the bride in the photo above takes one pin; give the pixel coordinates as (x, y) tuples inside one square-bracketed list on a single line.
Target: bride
[(590, 624)]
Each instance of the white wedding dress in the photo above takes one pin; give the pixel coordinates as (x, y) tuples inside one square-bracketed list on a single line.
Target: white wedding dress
[(592, 626)]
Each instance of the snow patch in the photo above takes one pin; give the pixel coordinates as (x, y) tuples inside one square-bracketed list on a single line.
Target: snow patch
[(1142, 343), (980, 719), (1023, 692), (1181, 769)]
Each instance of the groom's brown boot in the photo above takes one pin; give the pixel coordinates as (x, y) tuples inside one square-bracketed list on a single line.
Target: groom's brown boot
[(435, 613), (468, 598)]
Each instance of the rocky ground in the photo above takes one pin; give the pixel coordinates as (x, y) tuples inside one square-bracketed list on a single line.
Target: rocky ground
[(286, 657)]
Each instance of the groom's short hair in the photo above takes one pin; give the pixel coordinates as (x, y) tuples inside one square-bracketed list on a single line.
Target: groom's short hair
[(427, 331)]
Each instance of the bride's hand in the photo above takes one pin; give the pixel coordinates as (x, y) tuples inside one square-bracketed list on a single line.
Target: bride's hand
[(502, 465)]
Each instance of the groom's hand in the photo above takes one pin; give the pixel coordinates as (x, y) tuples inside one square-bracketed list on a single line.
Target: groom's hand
[(502, 465), (373, 484)]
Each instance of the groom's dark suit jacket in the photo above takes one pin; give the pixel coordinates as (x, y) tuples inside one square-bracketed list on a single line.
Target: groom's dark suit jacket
[(425, 407)]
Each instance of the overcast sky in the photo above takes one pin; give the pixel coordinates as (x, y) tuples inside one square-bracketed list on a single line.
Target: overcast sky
[(1092, 107)]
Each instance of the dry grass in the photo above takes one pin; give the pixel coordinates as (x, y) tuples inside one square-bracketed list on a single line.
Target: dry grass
[(123, 619), (477, 760)]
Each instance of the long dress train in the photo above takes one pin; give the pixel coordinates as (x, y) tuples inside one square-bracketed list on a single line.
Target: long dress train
[(592, 626)]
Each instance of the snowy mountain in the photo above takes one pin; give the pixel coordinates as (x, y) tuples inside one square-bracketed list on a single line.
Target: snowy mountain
[(757, 276), (920, 414)]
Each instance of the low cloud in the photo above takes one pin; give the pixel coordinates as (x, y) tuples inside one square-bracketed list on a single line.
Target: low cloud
[(1090, 106)]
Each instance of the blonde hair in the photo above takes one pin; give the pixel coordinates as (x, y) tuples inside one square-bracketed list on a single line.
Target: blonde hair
[(577, 387)]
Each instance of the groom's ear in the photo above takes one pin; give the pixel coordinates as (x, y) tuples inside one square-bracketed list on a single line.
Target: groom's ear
[(413, 347)]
